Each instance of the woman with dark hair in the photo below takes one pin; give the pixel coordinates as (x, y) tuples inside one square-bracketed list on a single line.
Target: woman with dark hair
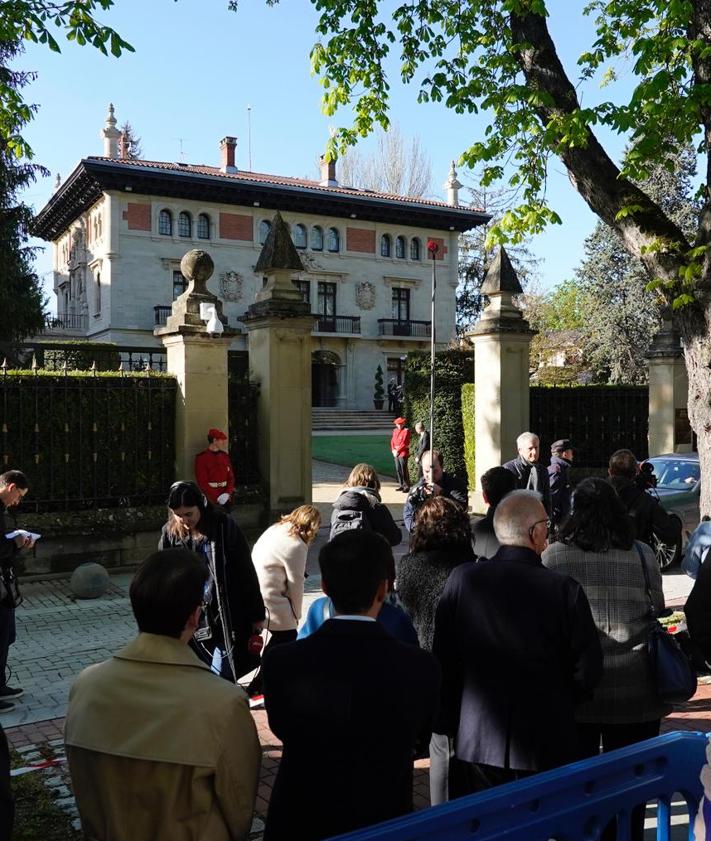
[(234, 609), (440, 540), (596, 547), (360, 500)]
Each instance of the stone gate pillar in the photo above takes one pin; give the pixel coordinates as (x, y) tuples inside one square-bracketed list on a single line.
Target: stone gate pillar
[(669, 427), (279, 325), (198, 360), (501, 344)]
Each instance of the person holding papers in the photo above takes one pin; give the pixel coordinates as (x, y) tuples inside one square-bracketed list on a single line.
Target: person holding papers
[(13, 486)]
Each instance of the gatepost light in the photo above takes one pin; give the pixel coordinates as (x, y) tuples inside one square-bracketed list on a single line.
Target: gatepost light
[(208, 313)]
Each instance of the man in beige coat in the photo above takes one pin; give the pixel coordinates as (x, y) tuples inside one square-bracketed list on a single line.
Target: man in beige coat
[(159, 747)]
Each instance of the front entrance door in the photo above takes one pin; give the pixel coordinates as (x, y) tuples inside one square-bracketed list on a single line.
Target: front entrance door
[(325, 367)]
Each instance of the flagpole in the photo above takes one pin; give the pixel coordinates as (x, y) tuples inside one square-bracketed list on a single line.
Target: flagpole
[(432, 249)]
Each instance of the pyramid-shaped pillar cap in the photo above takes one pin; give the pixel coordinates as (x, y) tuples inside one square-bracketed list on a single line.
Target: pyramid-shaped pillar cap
[(501, 277)]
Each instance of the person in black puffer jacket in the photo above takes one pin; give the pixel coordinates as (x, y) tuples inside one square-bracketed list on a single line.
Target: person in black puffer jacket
[(440, 540), (358, 506)]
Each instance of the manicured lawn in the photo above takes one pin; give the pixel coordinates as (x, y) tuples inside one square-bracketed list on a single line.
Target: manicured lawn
[(352, 449)]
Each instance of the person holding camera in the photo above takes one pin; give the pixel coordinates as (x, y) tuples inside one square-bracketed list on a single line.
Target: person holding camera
[(13, 487), (434, 482), (234, 610)]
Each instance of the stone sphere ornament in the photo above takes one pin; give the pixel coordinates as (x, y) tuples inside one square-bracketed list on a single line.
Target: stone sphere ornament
[(197, 266), (89, 581)]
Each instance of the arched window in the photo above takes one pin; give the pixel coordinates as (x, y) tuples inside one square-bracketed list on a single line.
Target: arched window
[(299, 236), (334, 240), (414, 249), (264, 227), (385, 245), (203, 226), (185, 225), (165, 223), (316, 238), (400, 248)]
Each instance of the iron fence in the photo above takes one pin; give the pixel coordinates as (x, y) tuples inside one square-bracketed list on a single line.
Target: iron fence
[(597, 419), (89, 441), (82, 355), (396, 327), (242, 400)]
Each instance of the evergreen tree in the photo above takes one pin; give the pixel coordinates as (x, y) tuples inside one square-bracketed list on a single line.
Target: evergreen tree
[(624, 315), (21, 299), (135, 148)]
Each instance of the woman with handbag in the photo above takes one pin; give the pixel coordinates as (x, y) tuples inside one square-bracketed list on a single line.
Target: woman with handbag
[(233, 606), (596, 547)]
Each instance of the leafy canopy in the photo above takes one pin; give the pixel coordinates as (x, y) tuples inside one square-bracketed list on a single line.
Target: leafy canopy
[(471, 56)]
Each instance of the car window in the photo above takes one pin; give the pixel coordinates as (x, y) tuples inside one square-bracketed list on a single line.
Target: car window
[(675, 473)]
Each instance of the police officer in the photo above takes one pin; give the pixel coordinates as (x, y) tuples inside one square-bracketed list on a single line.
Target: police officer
[(559, 478), (213, 470)]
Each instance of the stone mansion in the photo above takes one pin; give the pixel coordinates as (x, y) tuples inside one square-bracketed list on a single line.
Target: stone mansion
[(119, 228)]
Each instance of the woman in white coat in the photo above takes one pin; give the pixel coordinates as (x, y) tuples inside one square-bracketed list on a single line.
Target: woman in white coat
[(279, 557)]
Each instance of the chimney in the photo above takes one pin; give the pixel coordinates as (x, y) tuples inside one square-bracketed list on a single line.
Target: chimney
[(123, 146), (228, 145), (452, 186), (110, 134), (328, 172)]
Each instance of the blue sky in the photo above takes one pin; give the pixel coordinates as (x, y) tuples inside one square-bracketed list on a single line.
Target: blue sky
[(196, 69)]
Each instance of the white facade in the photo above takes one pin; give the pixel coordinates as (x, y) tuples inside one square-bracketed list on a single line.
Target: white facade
[(117, 268)]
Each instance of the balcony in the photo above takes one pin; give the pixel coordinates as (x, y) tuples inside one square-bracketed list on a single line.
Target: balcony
[(349, 324), (395, 327), (160, 315), (65, 325)]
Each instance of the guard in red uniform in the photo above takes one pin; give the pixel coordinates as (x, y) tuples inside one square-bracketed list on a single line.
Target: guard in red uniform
[(400, 448), (213, 470)]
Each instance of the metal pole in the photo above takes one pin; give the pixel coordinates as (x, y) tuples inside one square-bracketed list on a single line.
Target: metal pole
[(432, 248), (249, 135)]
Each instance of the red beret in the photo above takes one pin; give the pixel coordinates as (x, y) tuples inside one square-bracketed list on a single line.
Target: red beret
[(216, 434)]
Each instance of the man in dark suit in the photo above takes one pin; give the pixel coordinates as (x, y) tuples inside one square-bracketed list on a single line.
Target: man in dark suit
[(350, 704), (518, 648), (495, 484), (422, 446), (530, 475)]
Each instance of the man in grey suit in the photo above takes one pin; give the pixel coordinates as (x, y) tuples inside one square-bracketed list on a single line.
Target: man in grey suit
[(422, 446)]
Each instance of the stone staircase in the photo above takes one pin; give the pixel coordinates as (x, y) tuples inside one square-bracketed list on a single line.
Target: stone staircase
[(345, 420)]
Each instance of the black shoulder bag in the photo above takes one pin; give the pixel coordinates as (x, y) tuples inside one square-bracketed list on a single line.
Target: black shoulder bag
[(674, 676)]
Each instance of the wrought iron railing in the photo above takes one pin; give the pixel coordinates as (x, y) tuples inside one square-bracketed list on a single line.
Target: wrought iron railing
[(66, 322), (242, 400), (82, 356), (397, 327), (160, 315), (338, 324)]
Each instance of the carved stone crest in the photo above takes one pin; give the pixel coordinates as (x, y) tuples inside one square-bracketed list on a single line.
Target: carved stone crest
[(365, 295), (231, 286)]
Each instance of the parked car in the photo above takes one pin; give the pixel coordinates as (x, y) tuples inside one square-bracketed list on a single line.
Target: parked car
[(678, 486)]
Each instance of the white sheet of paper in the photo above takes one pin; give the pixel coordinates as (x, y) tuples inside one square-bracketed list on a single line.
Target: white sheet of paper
[(11, 535)]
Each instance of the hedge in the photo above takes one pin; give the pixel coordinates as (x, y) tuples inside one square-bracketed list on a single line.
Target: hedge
[(453, 367), (469, 440)]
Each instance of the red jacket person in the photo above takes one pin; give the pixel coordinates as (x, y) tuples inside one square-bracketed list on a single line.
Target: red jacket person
[(213, 469)]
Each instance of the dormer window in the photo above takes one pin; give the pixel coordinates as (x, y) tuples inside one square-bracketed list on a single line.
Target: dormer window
[(185, 225), (334, 240), (299, 236), (400, 248), (385, 245), (203, 226), (316, 238), (415, 249)]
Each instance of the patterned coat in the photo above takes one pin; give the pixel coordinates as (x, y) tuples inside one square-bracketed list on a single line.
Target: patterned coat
[(613, 581)]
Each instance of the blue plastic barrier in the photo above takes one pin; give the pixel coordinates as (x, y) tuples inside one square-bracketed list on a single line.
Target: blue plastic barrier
[(572, 803)]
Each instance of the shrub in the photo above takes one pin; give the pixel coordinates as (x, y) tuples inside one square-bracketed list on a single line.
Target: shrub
[(469, 441), (453, 367), (379, 391)]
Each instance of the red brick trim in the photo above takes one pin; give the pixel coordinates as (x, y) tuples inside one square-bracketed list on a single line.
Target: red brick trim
[(138, 216), (236, 226), (360, 239)]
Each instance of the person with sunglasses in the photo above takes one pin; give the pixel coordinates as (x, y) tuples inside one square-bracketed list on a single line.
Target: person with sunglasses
[(234, 609), (519, 650)]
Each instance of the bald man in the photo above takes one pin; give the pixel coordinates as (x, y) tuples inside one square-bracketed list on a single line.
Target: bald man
[(519, 649)]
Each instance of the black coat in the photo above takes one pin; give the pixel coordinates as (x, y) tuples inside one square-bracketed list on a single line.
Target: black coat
[(518, 648), (560, 488), (423, 444), (350, 704), (8, 548), (485, 540), (377, 514), (649, 518), (698, 611), (521, 469), (236, 580), (452, 487), (421, 577)]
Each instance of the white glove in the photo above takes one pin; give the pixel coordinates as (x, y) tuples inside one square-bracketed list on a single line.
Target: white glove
[(223, 499)]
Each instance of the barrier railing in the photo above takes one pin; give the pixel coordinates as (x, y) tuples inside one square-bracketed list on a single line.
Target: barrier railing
[(573, 803)]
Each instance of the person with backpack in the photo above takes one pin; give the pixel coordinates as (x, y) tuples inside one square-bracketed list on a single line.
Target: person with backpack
[(358, 506)]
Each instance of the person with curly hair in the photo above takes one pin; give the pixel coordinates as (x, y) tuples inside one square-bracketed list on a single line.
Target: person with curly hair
[(440, 540)]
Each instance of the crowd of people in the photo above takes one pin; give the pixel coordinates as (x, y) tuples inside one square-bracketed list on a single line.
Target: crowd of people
[(499, 650)]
